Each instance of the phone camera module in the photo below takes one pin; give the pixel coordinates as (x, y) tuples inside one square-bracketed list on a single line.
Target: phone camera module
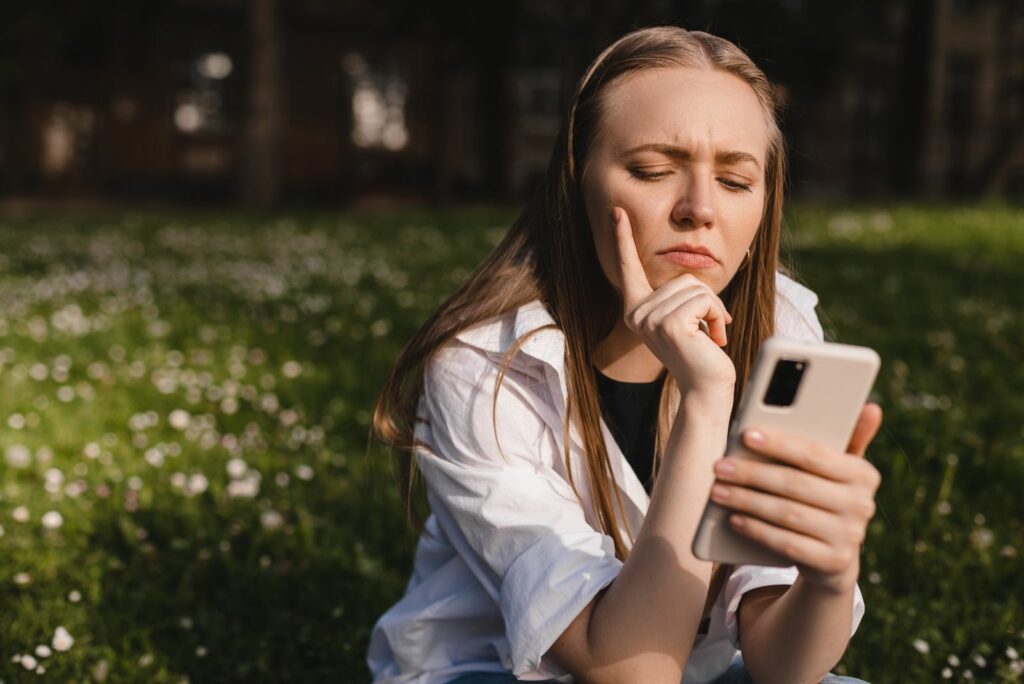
[(784, 383)]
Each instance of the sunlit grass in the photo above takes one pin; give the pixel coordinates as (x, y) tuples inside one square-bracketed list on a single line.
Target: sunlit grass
[(186, 399)]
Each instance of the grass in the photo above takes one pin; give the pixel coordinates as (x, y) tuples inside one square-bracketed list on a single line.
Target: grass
[(191, 393)]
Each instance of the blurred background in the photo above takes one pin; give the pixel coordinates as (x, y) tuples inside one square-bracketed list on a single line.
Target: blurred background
[(262, 102), (222, 220)]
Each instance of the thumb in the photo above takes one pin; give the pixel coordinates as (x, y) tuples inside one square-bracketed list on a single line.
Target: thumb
[(867, 427)]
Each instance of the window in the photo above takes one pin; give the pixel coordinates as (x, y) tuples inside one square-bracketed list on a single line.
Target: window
[(378, 104), (200, 99)]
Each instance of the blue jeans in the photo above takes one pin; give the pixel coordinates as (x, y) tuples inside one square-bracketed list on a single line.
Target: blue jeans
[(736, 674)]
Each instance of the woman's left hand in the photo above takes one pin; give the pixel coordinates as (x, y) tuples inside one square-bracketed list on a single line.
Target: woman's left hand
[(815, 512)]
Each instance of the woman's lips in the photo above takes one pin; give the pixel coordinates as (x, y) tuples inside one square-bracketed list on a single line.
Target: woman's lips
[(690, 259)]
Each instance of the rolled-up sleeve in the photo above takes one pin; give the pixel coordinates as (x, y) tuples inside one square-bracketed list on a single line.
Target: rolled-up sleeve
[(514, 519), (749, 577)]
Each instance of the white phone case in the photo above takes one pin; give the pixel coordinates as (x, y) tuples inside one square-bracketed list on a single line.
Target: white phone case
[(835, 384)]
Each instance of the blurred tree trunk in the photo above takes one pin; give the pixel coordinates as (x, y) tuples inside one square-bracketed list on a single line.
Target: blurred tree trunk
[(261, 173)]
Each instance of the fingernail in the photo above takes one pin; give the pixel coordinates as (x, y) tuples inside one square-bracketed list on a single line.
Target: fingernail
[(755, 436), (725, 468), (720, 492)]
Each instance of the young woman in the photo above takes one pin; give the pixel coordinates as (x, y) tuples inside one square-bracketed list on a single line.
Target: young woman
[(568, 409)]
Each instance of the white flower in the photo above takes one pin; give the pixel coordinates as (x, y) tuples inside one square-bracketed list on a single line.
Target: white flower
[(179, 419), (28, 662), (43, 651), (271, 519), (74, 596), (18, 456), (304, 472), (197, 484), (237, 468), (54, 480), (22, 578), (953, 660), (1011, 653), (62, 641), (291, 369), (20, 514), (247, 487), (52, 520), (200, 651), (921, 646), (979, 660), (946, 673), (154, 457)]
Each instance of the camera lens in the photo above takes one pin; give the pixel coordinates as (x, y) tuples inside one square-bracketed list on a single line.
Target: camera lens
[(785, 381)]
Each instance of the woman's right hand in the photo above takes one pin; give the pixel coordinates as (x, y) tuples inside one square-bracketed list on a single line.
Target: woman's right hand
[(668, 320)]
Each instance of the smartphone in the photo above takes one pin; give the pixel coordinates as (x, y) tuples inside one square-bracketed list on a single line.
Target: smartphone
[(815, 390)]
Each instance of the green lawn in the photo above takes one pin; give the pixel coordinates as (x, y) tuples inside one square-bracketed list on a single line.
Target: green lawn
[(186, 399)]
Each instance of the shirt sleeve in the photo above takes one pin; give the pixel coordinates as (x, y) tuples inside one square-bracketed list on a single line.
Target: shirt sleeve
[(516, 522), (749, 577)]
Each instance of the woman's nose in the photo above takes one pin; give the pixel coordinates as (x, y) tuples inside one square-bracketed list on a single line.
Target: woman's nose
[(695, 203)]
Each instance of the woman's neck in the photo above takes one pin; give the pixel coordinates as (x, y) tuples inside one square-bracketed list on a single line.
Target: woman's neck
[(624, 357)]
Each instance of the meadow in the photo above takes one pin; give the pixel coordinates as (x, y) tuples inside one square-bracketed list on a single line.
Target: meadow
[(187, 494)]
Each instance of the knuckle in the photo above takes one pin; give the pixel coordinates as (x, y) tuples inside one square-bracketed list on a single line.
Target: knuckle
[(792, 516), (843, 558), (855, 532), (874, 478), (865, 508)]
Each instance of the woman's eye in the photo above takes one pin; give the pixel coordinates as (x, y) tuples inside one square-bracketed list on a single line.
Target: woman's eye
[(735, 186), (647, 175)]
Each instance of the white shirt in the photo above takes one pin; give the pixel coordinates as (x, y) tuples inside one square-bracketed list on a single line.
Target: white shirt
[(514, 556)]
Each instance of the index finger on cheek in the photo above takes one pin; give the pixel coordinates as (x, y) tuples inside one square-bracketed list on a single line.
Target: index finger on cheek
[(635, 286)]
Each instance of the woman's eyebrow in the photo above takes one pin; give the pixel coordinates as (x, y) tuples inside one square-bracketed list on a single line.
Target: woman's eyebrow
[(723, 157)]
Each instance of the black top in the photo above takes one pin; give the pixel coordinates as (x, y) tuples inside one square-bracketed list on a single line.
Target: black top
[(631, 411)]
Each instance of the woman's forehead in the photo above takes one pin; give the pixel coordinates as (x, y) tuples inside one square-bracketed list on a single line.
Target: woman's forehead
[(684, 107)]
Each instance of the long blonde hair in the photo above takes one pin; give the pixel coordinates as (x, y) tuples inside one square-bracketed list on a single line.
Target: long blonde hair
[(548, 254)]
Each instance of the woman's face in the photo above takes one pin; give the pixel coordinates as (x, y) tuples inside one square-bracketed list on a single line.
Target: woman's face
[(699, 182)]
